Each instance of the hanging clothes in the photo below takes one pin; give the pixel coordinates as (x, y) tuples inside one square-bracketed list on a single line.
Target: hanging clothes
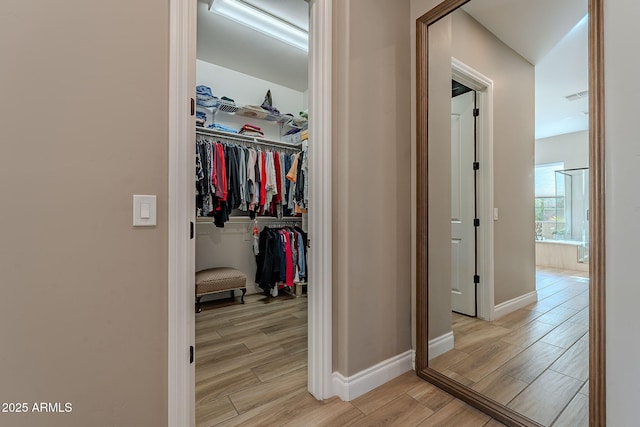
[(259, 182), (281, 258)]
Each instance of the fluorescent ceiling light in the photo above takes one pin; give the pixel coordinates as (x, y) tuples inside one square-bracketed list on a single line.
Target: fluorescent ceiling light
[(262, 21)]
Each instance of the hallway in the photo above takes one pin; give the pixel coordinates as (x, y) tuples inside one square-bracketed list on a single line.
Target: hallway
[(251, 370)]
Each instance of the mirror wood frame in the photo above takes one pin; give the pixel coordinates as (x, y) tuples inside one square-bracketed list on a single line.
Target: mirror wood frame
[(597, 396)]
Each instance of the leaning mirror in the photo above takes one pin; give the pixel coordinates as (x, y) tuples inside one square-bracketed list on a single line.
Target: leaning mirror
[(509, 246)]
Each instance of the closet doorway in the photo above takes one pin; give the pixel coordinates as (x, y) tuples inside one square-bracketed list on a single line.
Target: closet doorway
[(182, 256)]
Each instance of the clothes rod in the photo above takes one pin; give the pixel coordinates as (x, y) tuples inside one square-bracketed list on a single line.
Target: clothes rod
[(247, 220), (242, 138)]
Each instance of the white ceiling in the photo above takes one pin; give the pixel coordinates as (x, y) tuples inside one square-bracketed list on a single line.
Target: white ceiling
[(539, 30), (228, 44), (547, 34)]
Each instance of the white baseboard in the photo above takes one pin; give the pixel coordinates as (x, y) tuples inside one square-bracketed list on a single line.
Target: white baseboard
[(507, 307), (349, 388), (440, 345)]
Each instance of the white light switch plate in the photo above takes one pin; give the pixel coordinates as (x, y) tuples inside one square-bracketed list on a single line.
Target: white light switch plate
[(144, 210)]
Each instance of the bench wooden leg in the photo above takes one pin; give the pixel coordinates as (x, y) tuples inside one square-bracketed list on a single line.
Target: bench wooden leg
[(244, 291)]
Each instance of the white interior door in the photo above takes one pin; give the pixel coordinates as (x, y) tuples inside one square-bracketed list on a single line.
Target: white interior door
[(463, 293)]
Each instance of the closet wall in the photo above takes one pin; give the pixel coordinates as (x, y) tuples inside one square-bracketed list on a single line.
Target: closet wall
[(231, 246)]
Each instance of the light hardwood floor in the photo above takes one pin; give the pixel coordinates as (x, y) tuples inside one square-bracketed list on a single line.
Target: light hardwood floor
[(534, 360), (251, 370)]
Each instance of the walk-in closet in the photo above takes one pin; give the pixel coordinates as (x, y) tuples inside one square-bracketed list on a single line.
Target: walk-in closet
[(251, 185)]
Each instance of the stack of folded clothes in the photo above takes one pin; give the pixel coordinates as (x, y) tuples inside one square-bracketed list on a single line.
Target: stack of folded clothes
[(251, 130), (204, 97), (223, 128), (201, 117)]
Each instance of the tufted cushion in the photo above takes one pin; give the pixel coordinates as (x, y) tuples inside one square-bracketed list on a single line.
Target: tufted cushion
[(219, 279)]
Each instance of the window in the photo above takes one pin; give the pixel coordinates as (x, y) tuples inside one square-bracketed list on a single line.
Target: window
[(550, 201)]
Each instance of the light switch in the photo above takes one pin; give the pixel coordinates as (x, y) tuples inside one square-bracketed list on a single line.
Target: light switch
[(144, 210)]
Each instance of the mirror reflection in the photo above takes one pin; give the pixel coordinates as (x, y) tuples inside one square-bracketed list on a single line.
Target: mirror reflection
[(509, 204)]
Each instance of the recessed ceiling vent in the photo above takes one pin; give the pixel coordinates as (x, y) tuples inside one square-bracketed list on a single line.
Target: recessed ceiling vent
[(576, 96)]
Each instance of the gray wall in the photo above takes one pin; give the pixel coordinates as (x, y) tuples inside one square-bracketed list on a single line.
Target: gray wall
[(83, 113), (371, 186), (570, 148), (513, 152), (623, 205)]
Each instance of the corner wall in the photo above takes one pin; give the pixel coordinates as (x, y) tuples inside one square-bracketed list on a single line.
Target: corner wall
[(371, 183), (83, 313)]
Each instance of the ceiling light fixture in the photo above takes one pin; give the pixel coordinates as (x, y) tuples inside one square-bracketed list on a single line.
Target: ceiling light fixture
[(262, 21)]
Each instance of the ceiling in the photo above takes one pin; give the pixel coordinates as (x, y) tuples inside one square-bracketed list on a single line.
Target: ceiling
[(228, 44), (550, 34)]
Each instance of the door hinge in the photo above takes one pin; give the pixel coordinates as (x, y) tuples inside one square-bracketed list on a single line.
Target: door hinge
[(476, 279), (193, 106), (192, 354), (476, 112), (191, 230), (476, 166), (476, 222)]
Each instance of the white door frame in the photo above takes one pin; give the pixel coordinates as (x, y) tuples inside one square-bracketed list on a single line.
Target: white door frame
[(484, 87), (181, 249)]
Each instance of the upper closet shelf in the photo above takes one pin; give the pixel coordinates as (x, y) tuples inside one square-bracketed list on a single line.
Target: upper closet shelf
[(256, 113), (245, 138)]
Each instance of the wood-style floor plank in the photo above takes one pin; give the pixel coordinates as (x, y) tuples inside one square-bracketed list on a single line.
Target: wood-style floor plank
[(527, 365), (557, 315), (443, 361), (546, 397), (479, 337), (381, 396), (269, 391), (215, 411), (403, 411), (485, 360), (430, 396), (576, 414), (565, 335), (281, 365), (500, 387), (457, 414), (575, 361), (528, 334), (585, 389)]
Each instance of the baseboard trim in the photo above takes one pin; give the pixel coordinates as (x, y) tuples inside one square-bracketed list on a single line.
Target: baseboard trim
[(440, 345), (349, 388), (512, 305)]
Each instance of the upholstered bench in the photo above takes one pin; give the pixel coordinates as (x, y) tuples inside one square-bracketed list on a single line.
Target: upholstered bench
[(220, 279)]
